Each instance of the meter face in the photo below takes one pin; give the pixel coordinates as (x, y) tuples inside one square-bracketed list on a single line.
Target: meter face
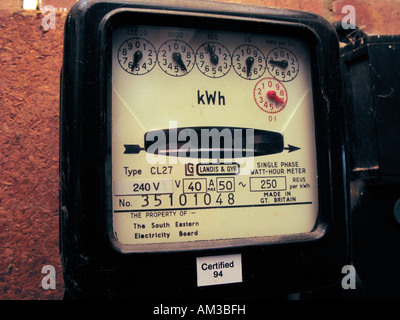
[(213, 138)]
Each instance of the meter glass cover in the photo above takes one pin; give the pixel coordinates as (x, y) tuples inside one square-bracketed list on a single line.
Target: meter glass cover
[(213, 138)]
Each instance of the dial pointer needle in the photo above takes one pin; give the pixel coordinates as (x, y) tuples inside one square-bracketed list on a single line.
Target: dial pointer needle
[(137, 56), (213, 57), (178, 59), (249, 64), (272, 95), (282, 63)]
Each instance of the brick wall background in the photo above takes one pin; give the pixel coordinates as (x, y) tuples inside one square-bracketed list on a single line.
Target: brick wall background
[(30, 62)]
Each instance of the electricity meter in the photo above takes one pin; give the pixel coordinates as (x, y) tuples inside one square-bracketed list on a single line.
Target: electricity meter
[(201, 151)]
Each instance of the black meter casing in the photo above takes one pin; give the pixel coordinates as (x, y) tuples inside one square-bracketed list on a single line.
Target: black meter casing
[(93, 267), (373, 144)]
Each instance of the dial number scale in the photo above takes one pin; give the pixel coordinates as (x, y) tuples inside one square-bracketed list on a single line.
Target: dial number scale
[(137, 56), (248, 62), (176, 58), (270, 95), (282, 64), (213, 59)]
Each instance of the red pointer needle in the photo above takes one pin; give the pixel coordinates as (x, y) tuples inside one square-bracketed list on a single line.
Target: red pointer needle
[(272, 95)]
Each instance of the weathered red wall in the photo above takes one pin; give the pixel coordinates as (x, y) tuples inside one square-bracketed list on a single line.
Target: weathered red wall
[(29, 84), (30, 63)]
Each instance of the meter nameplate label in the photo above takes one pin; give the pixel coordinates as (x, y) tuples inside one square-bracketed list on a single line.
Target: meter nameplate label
[(213, 137), (218, 270)]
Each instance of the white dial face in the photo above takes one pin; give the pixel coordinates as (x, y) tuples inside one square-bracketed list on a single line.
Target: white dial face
[(248, 61), (213, 59), (216, 155), (282, 64), (176, 58), (137, 56)]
